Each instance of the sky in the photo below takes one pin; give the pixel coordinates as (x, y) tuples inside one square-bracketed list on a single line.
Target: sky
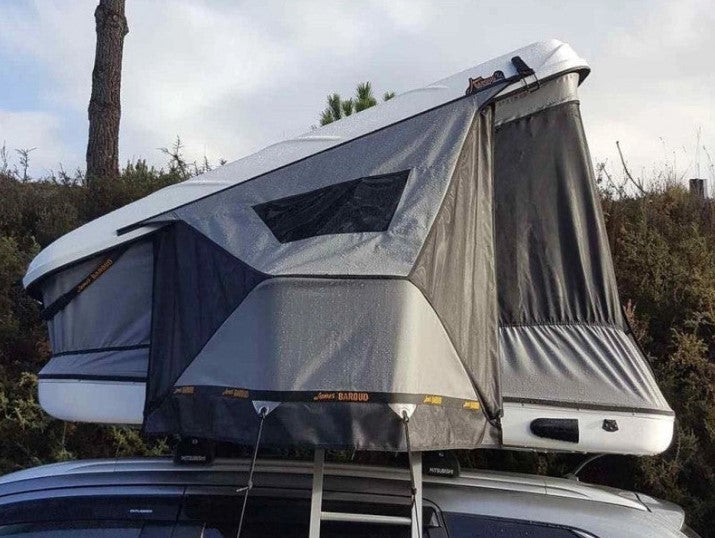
[(230, 77)]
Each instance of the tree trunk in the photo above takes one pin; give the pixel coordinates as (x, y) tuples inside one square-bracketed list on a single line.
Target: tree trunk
[(104, 108)]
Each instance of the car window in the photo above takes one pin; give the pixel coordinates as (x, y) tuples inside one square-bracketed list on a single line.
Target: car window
[(92, 508), (328, 529), (217, 517), (110, 516), (472, 526), (196, 516)]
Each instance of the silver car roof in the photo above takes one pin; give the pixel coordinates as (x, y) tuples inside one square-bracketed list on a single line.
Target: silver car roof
[(595, 509)]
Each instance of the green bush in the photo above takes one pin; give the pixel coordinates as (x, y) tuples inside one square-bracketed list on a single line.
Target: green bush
[(32, 215), (663, 243)]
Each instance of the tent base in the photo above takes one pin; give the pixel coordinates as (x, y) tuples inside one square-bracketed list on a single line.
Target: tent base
[(104, 402), (637, 433), (227, 416)]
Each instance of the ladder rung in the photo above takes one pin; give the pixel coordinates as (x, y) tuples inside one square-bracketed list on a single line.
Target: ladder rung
[(365, 518)]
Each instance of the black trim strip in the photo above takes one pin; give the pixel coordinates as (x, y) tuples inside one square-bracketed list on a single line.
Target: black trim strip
[(66, 298), (155, 240), (99, 350), (588, 406), (85, 377), (326, 396)]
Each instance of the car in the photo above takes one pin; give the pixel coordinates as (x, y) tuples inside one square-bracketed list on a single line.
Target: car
[(155, 497)]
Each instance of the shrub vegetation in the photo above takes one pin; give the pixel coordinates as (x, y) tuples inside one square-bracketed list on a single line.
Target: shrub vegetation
[(663, 243)]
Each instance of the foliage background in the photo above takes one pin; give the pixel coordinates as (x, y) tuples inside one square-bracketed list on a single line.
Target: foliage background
[(663, 243)]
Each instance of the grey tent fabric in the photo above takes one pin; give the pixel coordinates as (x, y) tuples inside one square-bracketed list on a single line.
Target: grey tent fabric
[(290, 341), (590, 366), (306, 342), (427, 145), (455, 269), (118, 298), (366, 342), (104, 331), (557, 91), (563, 338), (123, 364)]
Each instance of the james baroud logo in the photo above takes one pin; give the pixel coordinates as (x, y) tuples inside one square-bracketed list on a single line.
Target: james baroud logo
[(479, 83)]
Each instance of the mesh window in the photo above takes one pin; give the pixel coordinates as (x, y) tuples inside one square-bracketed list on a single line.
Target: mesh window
[(366, 204)]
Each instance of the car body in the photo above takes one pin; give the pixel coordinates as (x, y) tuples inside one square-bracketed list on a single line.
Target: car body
[(158, 498)]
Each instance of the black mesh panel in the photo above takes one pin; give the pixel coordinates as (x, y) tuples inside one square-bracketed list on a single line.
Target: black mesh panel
[(361, 205), (196, 286)]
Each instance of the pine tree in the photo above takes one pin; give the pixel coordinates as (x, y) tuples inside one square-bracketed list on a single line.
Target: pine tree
[(338, 108), (104, 104)]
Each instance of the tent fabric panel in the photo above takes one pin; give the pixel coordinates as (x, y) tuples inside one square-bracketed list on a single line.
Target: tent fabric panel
[(362, 347), (115, 365), (427, 145), (114, 311), (196, 286), (359, 426), (553, 92), (361, 205), (588, 365), (455, 269), (553, 258), (305, 334)]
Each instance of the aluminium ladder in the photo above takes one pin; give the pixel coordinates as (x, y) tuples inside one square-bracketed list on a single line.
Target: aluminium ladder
[(316, 501)]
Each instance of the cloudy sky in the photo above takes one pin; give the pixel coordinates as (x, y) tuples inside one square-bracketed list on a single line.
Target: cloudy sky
[(232, 76)]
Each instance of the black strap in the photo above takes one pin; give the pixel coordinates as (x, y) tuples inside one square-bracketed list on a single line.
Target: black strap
[(66, 298), (499, 79), (522, 69), (249, 486), (413, 482), (309, 396)]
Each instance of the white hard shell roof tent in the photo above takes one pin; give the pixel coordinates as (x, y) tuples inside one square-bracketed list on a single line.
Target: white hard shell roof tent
[(441, 256)]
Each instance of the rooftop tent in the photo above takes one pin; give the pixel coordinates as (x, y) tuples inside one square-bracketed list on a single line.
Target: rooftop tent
[(441, 255)]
